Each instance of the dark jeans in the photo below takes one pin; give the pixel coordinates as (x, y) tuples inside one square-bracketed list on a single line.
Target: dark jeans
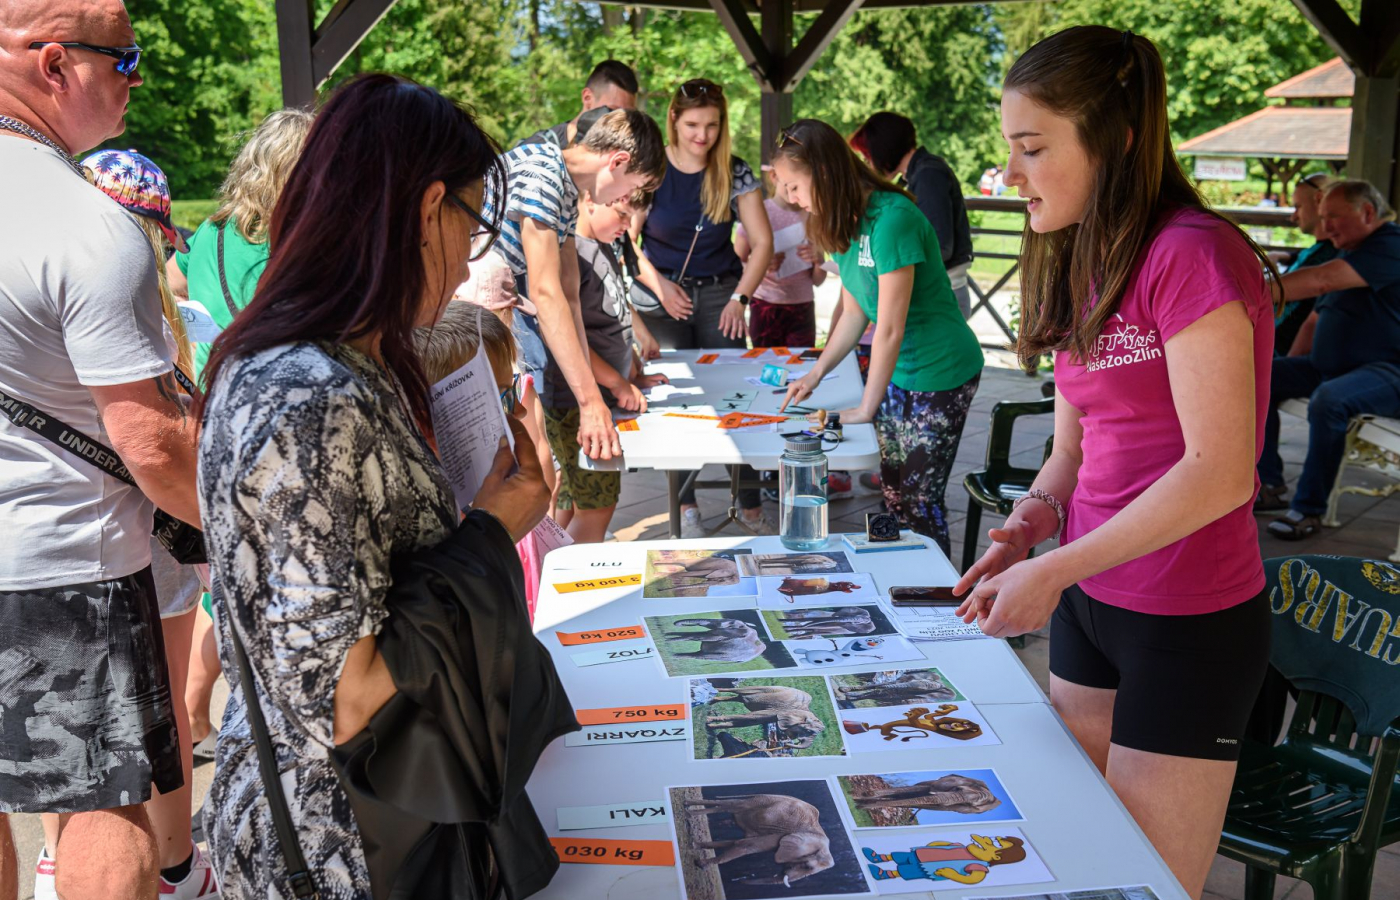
[(1371, 389), (702, 330)]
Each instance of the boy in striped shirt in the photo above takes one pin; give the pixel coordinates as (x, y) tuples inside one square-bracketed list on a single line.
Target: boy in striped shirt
[(621, 153)]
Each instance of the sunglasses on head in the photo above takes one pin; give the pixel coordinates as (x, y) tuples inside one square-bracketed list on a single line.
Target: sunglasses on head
[(128, 58), (491, 231), (510, 397), (697, 88), (786, 135)]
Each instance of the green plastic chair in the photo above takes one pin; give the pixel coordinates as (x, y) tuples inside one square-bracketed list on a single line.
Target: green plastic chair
[(999, 485), (1319, 805)]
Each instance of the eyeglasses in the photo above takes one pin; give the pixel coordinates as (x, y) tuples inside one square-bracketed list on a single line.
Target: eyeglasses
[(701, 88), (128, 58), (510, 397), (493, 232)]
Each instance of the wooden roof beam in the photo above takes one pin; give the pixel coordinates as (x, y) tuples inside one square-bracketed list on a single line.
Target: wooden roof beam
[(819, 36), (735, 18), (1338, 29)]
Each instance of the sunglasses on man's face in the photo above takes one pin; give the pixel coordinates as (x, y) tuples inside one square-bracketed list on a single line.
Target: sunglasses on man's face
[(128, 58), (692, 89), (491, 231)]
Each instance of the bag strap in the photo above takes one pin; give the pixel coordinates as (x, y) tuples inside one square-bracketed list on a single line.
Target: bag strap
[(56, 432), (223, 277), (298, 875), (699, 226)]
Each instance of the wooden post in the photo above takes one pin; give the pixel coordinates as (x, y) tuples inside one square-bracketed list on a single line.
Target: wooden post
[(775, 108), (295, 33), (1375, 109)]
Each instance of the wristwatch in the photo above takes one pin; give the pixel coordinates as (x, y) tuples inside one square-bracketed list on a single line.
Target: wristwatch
[(742, 298)]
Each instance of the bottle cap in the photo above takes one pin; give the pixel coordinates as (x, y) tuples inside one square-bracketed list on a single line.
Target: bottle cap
[(804, 443)]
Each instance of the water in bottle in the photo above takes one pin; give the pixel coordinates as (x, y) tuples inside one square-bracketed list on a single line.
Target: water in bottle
[(802, 473)]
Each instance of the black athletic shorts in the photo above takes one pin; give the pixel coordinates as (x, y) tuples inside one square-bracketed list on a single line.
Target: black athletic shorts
[(1186, 684)]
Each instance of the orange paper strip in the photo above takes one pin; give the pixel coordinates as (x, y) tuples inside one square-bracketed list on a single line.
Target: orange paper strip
[(745, 420), (629, 425), (621, 633), (672, 712), (795, 360), (708, 358), (596, 584), (781, 351), (690, 416), (614, 853), (755, 353)]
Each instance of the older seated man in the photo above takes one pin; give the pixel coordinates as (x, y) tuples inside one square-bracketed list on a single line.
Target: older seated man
[(1307, 218), (1346, 358)]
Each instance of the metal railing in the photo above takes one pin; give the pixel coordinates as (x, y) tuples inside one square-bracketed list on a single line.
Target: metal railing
[(1243, 216)]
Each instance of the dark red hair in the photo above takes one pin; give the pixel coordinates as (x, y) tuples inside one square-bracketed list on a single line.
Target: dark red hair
[(345, 240)]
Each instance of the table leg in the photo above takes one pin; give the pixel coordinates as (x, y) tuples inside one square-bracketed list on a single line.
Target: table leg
[(673, 488)]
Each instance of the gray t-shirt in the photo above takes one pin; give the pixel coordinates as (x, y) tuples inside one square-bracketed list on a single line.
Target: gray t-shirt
[(607, 319), (79, 306)]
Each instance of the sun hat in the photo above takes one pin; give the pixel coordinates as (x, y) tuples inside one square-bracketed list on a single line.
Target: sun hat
[(138, 185), (491, 283)]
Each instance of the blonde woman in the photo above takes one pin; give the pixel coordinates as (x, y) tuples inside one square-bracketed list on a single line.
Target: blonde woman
[(687, 238), (227, 253), (140, 187)]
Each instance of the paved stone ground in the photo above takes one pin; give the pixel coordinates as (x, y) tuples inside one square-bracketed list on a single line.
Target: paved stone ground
[(1369, 529)]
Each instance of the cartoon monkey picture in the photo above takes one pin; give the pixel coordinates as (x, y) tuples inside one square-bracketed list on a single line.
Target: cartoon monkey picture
[(920, 723), (948, 861)]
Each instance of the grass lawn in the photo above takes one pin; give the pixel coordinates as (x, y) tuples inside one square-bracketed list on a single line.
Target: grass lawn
[(828, 743), (189, 213)]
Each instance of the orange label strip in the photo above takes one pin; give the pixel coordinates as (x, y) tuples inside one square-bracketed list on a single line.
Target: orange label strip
[(597, 584), (690, 416), (745, 420), (755, 353), (614, 853), (629, 425), (708, 358), (665, 712), (622, 633), (781, 351), (795, 360)]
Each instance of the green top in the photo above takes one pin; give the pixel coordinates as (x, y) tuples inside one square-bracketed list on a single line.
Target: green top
[(243, 266), (939, 351)]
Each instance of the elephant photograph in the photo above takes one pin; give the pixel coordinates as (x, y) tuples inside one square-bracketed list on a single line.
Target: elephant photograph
[(944, 797), (893, 688), (716, 643), (827, 621), (763, 718), (761, 841)]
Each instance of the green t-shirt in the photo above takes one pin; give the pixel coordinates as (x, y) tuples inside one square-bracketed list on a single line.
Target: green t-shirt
[(939, 352), (243, 266)]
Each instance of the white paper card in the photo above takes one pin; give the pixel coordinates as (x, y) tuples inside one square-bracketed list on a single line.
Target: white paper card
[(469, 423), (636, 733), (613, 654), (199, 325), (786, 241), (940, 628), (549, 536), (613, 815)]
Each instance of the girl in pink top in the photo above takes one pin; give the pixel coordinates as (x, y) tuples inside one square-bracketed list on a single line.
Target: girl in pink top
[(783, 312), (1160, 319)]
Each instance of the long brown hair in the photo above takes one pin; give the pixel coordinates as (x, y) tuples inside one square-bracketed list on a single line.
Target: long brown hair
[(698, 93), (345, 258), (1113, 86), (841, 182)]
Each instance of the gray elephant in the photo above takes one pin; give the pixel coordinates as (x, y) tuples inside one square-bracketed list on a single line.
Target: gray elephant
[(786, 707), (905, 688), (950, 793), (785, 826), (724, 640), (805, 623)]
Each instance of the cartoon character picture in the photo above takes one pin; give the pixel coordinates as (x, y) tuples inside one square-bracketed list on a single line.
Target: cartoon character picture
[(920, 723), (968, 863), (858, 650)]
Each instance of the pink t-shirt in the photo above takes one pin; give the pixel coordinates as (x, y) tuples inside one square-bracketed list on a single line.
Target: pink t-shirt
[(797, 287), (1195, 264)]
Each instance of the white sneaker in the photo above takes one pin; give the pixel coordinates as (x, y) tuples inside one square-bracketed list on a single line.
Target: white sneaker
[(200, 884), (691, 524), (43, 877)]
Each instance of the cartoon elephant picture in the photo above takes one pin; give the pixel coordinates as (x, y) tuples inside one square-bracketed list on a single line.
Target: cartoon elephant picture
[(723, 640), (785, 826), (949, 793), (786, 707)]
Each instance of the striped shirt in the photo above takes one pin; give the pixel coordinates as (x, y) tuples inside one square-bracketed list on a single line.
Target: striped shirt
[(538, 186)]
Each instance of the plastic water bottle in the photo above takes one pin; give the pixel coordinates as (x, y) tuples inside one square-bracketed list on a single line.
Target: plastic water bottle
[(802, 494)]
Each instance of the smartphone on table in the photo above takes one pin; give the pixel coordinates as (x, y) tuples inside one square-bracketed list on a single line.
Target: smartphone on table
[(910, 595)]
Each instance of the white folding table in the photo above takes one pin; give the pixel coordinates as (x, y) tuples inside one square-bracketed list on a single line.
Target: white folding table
[(1072, 818), (666, 439)]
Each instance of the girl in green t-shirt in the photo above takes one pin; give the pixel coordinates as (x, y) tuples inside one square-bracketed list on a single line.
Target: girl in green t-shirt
[(925, 362)]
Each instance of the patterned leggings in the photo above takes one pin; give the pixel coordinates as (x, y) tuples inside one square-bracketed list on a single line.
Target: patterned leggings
[(919, 433)]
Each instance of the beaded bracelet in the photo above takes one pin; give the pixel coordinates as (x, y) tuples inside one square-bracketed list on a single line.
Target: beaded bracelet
[(1048, 499)]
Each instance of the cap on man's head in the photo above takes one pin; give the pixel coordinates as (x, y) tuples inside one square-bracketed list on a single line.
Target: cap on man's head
[(491, 283), (139, 185)]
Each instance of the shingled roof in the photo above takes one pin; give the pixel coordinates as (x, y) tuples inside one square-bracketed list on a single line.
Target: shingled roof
[(1279, 132), (1330, 81)]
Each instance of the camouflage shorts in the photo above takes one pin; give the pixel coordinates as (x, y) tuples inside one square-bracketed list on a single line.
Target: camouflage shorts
[(85, 713), (578, 487)]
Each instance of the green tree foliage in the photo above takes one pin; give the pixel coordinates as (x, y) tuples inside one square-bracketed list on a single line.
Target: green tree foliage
[(212, 72)]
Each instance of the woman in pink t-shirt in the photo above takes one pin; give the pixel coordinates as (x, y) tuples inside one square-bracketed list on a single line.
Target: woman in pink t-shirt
[(1160, 320)]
